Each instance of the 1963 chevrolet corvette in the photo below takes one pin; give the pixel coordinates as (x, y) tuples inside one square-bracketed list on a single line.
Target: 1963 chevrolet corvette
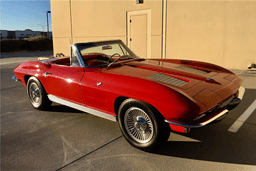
[(148, 97)]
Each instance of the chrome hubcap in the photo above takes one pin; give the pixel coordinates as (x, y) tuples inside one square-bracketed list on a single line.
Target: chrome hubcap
[(34, 93), (141, 123), (138, 125)]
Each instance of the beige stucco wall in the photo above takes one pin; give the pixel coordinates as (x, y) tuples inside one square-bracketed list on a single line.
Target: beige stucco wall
[(100, 20), (105, 20), (61, 27), (220, 32), (223, 33)]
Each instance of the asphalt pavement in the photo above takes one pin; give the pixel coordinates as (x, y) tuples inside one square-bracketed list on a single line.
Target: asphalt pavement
[(62, 138)]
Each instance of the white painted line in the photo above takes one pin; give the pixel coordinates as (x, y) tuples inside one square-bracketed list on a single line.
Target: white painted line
[(5, 63), (19, 61), (240, 121)]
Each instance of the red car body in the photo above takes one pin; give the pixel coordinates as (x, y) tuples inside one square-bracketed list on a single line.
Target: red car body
[(186, 93)]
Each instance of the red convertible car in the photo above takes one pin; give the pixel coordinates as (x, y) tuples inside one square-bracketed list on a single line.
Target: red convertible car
[(148, 97)]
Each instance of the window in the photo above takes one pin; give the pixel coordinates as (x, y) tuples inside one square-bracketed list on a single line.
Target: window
[(108, 49), (74, 61)]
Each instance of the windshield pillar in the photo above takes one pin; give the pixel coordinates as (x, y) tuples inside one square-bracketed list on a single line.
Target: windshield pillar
[(75, 57)]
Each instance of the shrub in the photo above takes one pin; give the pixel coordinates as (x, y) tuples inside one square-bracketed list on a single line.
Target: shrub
[(28, 44), (38, 38)]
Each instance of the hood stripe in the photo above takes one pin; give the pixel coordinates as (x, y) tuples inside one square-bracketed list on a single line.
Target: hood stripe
[(182, 67)]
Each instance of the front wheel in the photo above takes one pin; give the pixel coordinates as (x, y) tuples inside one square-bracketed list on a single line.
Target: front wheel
[(37, 95), (142, 126)]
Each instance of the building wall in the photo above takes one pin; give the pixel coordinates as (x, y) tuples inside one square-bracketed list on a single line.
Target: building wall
[(3, 34), (223, 33), (26, 33), (85, 21), (220, 32), (20, 34), (61, 26), (11, 35)]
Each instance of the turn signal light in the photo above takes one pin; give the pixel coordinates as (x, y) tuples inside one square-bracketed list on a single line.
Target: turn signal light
[(180, 129)]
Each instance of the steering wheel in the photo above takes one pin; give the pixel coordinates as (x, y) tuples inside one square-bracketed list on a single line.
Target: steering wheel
[(115, 54)]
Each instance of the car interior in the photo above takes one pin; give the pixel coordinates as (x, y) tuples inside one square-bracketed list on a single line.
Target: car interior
[(93, 59)]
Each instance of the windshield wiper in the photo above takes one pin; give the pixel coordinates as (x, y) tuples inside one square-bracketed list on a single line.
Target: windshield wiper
[(124, 57)]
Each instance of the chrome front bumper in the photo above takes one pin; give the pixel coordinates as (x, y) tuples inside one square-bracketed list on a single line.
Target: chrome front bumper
[(237, 100), (211, 117)]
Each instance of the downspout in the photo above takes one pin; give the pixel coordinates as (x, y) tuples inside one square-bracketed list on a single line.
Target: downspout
[(71, 38), (164, 17)]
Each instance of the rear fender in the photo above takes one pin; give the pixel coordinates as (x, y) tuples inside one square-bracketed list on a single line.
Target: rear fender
[(33, 68)]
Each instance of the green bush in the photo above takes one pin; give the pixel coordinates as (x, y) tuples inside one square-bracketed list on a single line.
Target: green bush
[(39, 43)]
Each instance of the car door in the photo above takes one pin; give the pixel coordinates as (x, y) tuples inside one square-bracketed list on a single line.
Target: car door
[(94, 89), (64, 81)]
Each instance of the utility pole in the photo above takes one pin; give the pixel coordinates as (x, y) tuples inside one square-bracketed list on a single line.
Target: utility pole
[(47, 23)]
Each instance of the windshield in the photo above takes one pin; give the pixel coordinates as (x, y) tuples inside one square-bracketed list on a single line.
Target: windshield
[(105, 53)]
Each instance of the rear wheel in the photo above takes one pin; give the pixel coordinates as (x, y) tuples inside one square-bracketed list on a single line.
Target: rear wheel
[(142, 126), (37, 95)]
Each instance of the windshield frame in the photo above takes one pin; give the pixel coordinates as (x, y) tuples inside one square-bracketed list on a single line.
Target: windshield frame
[(79, 55)]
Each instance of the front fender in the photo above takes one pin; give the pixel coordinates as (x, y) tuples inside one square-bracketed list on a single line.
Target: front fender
[(170, 103)]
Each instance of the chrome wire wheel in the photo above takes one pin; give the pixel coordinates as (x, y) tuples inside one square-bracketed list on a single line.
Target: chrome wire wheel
[(138, 125), (35, 94)]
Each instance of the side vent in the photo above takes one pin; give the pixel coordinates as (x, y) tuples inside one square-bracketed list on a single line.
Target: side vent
[(167, 79), (182, 67)]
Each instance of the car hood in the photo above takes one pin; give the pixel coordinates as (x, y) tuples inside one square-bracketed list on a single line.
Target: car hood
[(197, 80)]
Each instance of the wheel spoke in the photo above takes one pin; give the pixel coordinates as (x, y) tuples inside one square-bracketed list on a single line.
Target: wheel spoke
[(138, 125), (34, 93)]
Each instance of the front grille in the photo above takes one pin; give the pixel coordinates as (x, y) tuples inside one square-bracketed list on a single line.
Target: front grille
[(167, 79), (182, 67)]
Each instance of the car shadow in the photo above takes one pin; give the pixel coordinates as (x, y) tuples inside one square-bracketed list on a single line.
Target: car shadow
[(209, 144), (61, 108), (214, 142)]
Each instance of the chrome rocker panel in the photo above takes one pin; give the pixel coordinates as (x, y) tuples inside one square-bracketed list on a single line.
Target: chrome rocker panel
[(82, 108), (234, 102)]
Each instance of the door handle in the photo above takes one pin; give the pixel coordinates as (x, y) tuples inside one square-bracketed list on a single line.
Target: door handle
[(47, 73)]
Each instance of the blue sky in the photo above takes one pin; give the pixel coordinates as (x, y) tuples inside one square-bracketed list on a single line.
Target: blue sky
[(21, 15)]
